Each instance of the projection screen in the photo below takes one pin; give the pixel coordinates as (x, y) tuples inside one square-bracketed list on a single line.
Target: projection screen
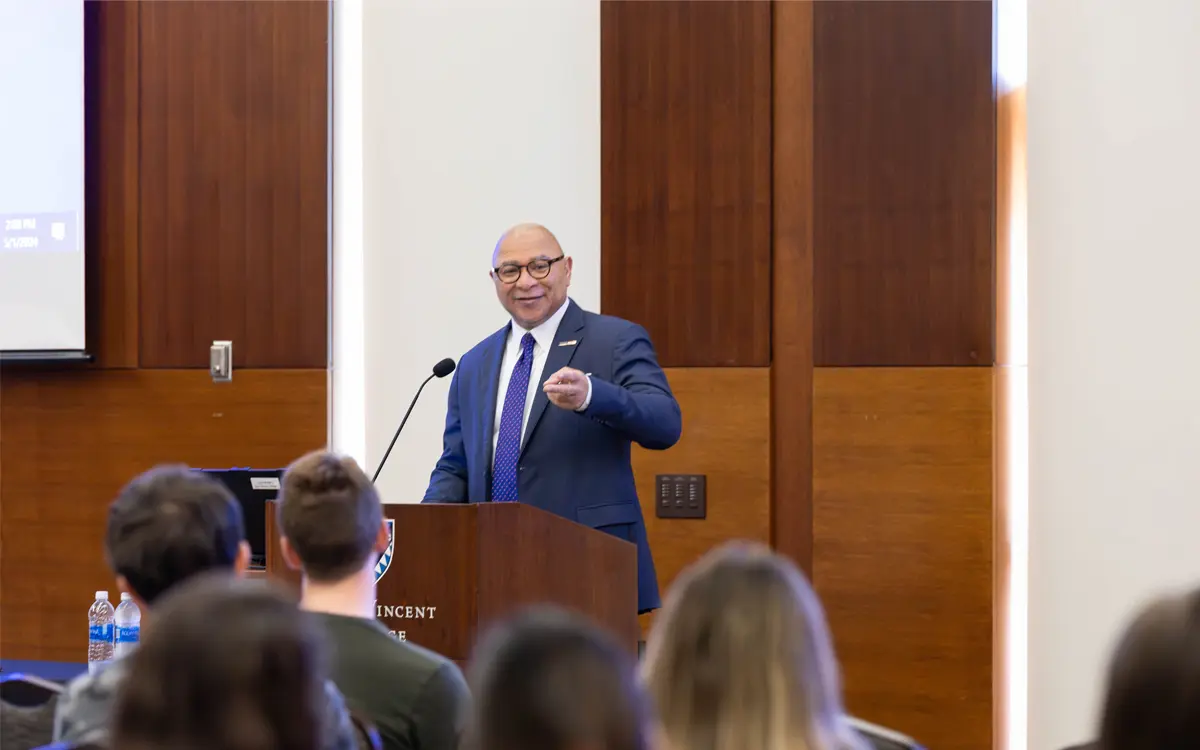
[(41, 176)]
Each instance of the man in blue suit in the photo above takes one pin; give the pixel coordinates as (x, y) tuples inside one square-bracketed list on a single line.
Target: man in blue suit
[(544, 411)]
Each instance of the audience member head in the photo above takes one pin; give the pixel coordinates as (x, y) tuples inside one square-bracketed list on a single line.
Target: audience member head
[(740, 657), (330, 517), (169, 524), (230, 665), (1153, 690), (548, 680)]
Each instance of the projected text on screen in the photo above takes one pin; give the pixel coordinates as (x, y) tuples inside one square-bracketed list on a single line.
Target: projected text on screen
[(52, 231)]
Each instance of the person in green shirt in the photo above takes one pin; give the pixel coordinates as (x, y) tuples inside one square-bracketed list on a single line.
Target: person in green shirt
[(332, 530)]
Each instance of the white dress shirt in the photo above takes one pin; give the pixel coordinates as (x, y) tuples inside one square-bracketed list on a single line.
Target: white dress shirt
[(543, 339)]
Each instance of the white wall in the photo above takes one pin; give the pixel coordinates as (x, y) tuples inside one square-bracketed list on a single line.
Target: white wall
[(475, 116), (347, 319), (1114, 313)]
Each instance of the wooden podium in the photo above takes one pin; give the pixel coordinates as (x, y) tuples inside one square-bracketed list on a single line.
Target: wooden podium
[(455, 568)]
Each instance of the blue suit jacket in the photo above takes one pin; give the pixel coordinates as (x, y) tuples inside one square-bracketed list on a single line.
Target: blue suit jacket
[(573, 464)]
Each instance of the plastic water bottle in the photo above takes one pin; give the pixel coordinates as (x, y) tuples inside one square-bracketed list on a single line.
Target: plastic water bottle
[(128, 621), (100, 632)]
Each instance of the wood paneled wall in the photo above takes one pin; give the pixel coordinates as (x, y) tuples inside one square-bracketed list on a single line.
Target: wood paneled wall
[(251, 192), (112, 34), (877, 309), (729, 436), (685, 189), (902, 544), (903, 183), (206, 219), (903, 340)]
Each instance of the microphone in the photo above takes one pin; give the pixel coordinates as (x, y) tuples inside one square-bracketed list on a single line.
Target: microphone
[(440, 370)]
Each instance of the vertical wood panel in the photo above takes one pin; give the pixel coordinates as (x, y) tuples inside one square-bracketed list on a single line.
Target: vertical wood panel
[(234, 186), (902, 540), (882, 199), (686, 176), (111, 158), (904, 183), (792, 281)]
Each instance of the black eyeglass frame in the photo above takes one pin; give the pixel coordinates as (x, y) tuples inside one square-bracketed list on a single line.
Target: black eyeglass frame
[(527, 268)]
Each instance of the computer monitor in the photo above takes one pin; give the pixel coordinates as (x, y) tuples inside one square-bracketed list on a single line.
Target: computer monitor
[(253, 488)]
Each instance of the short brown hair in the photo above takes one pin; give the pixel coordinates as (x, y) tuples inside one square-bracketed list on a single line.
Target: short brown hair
[(169, 524), (330, 513)]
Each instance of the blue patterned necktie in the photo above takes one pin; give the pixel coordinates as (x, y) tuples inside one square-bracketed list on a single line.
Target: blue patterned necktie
[(508, 442)]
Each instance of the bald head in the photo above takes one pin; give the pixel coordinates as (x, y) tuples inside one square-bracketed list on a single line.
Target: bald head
[(531, 274), (526, 234)]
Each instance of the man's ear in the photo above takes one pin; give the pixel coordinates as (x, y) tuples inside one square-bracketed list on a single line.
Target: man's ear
[(289, 554), (381, 538), (241, 563)]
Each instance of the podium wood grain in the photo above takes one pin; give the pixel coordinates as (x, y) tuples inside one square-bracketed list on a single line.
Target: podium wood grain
[(467, 566)]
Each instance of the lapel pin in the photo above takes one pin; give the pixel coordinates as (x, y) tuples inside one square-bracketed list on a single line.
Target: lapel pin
[(572, 342)]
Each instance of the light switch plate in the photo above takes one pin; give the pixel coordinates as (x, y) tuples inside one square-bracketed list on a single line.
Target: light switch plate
[(220, 361), (681, 496)]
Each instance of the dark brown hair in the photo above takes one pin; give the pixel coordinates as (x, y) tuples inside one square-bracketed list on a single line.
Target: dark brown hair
[(230, 664), (1153, 692), (330, 513), (170, 524), (548, 680)]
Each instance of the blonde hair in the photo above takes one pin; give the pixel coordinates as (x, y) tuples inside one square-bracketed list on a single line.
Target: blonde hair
[(740, 658)]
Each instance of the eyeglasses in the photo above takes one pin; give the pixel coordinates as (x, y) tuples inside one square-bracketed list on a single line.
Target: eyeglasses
[(538, 268)]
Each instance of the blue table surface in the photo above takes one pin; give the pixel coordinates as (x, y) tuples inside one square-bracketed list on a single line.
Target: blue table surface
[(57, 671)]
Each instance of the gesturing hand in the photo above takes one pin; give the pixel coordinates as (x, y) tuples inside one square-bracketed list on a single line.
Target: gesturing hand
[(567, 388)]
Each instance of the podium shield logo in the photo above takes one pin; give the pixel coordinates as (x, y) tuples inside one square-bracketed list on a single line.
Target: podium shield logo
[(385, 560)]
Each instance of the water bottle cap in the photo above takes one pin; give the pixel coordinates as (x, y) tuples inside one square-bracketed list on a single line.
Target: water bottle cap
[(102, 595), (125, 596)]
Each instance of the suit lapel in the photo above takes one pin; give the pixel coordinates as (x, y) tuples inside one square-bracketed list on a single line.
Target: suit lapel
[(491, 374), (570, 333)]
